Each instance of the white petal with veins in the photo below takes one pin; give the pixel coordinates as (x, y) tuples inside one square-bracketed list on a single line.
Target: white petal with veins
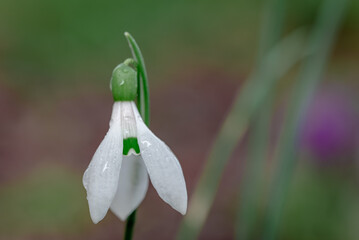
[(101, 177), (163, 167)]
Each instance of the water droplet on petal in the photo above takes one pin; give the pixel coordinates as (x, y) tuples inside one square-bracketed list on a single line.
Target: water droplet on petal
[(105, 167), (147, 143)]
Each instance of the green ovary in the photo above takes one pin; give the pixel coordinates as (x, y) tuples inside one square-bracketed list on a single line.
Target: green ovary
[(124, 83)]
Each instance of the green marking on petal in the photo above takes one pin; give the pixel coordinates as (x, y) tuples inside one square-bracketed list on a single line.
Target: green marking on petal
[(130, 143)]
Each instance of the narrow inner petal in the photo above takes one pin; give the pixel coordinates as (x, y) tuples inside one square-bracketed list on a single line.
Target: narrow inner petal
[(132, 186)]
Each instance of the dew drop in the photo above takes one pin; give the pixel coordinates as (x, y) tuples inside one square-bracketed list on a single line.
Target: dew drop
[(147, 143), (105, 167)]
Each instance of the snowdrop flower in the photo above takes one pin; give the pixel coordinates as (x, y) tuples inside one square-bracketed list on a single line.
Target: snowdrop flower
[(117, 176)]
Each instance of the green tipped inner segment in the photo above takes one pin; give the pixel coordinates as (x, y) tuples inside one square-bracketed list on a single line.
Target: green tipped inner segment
[(129, 143)]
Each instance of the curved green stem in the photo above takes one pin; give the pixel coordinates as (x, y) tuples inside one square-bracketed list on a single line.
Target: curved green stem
[(143, 105), (143, 93), (130, 224)]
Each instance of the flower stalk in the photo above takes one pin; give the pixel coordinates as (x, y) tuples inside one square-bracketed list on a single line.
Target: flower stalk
[(143, 98), (143, 105)]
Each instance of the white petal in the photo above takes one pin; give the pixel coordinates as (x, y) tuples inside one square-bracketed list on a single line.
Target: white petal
[(101, 177), (162, 166), (132, 186)]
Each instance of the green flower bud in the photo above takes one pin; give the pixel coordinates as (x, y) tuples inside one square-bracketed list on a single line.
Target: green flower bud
[(124, 82)]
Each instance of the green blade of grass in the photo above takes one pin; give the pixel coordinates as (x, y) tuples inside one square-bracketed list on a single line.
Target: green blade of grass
[(320, 44), (251, 96), (271, 25), (252, 183)]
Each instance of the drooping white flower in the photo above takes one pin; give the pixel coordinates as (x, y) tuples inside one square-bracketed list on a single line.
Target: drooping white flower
[(117, 178)]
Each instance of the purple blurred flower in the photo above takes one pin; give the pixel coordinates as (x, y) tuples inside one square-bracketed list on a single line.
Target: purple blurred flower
[(329, 128)]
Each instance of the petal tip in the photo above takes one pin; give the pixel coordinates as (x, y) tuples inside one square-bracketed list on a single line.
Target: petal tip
[(96, 218), (98, 210), (182, 209), (123, 218), (120, 214), (179, 206), (95, 221)]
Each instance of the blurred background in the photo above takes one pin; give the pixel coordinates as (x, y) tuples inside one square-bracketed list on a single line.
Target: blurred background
[(56, 60)]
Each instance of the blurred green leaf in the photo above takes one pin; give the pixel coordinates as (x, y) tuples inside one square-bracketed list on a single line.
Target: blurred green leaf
[(319, 47), (50, 200), (276, 63), (252, 183), (320, 205)]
